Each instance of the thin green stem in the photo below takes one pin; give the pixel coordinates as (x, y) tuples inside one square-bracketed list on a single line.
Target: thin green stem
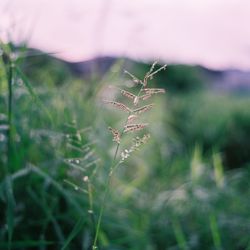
[(107, 186), (90, 197), (9, 188), (101, 213), (10, 96)]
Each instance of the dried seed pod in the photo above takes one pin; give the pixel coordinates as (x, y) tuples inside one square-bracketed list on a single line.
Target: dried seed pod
[(118, 105), (134, 127), (143, 109), (116, 135)]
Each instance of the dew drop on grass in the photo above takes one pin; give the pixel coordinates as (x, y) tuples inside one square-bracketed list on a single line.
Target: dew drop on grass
[(85, 178), (74, 161)]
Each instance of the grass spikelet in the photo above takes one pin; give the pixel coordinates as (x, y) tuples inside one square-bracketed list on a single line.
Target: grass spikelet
[(143, 109), (128, 94), (116, 135), (134, 127), (137, 143), (124, 92), (136, 100), (152, 91), (118, 105), (131, 118), (152, 73), (145, 97), (134, 78)]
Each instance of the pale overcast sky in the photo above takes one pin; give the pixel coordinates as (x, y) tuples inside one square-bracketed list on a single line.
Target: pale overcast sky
[(214, 33)]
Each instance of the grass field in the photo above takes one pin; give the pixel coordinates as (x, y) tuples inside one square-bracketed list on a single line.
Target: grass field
[(187, 188)]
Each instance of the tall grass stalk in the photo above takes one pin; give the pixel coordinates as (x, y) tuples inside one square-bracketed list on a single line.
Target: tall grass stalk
[(117, 136), (9, 187), (8, 180)]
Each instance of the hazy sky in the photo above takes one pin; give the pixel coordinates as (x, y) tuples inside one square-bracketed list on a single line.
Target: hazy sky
[(214, 33)]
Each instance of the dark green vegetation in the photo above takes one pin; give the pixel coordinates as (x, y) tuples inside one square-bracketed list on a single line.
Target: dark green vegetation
[(187, 189)]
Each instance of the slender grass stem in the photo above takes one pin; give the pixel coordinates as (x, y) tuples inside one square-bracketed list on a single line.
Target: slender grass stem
[(9, 188), (10, 97), (106, 191), (90, 211)]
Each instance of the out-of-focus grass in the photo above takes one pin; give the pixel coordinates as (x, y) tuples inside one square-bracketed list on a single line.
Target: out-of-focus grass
[(187, 189)]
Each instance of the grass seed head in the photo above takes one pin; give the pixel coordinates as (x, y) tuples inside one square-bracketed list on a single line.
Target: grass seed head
[(151, 91), (116, 135), (118, 105), (145, 97), (143, 109), (128, 94), (131, 118), (134, 127)]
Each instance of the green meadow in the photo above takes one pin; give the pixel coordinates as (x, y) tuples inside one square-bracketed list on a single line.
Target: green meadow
[(186, 188)]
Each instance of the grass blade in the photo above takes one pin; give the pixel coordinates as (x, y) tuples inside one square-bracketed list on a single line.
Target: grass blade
[(25, 244), (32, 92), (74, 232), (10, 209)]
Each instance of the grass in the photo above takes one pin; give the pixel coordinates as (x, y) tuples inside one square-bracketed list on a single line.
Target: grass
[(187, 189), (143, 93)]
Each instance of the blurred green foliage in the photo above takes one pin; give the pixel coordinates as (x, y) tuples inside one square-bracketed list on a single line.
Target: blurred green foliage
[(188, 189), (176, 78)]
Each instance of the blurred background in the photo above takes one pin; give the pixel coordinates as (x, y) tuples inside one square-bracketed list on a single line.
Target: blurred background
[(188, 188)]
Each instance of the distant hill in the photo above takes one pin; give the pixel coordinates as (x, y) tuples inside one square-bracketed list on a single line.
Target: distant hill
[(182, 76), (224, 80), (97, 66)]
